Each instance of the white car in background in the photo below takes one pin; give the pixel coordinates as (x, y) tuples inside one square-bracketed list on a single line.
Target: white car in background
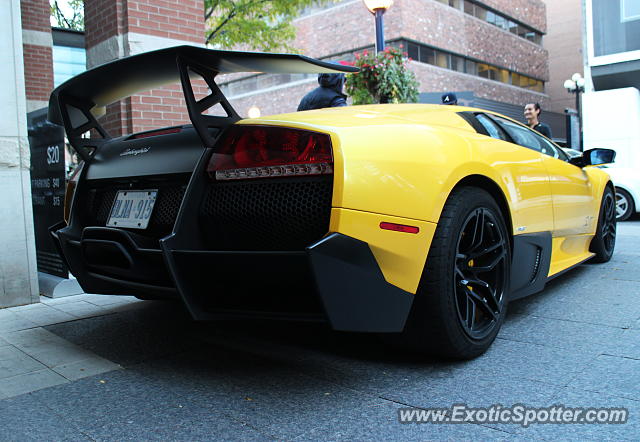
[(610, 119), (627, 183)]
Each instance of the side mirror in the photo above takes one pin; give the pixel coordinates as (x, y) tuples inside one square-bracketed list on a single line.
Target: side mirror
[(594, 157)]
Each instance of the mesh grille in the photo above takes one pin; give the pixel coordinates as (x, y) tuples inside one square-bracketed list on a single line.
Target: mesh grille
[(270, 214), (165, 211)]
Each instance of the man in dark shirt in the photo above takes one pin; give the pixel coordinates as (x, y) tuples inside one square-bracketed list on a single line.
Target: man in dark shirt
[(532, 112), (328, 94)]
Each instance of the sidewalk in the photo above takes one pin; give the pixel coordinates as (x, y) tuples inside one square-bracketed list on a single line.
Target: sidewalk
[(114, 368), (32, 358)]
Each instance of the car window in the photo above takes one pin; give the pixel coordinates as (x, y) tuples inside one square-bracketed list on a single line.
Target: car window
[(492, 128), (519, 134), (557, 151), (528, 138)]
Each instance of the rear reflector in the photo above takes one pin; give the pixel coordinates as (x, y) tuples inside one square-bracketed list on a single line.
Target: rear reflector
[(246, 152), (399, 228)]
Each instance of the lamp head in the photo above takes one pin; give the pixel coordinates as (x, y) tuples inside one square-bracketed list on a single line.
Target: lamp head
[(373, 5), (570, 85)]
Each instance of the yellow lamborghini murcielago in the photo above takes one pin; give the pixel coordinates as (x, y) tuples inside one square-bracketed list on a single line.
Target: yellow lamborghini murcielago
[(417, 222)]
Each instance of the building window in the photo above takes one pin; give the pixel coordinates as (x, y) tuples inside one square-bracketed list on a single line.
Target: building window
[(447, 60), (501, 21), (616, 26), (417, 51), (630, 10)]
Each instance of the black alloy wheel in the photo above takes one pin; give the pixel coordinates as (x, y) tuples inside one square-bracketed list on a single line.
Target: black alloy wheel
[(604, 241), (462, 300), (609, 222), (480, 274)]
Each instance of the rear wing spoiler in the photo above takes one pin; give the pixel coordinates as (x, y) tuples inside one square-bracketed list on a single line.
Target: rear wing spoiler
[(77, 103)]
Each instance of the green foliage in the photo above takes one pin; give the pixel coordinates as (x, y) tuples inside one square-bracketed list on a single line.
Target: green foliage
[(383, 77), (259, 24), (69, 17)]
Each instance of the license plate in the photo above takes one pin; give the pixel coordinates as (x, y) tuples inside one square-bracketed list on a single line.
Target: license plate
[(132, 208)]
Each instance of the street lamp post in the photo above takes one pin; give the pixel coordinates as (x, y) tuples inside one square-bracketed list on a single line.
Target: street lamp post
[(575, 85), (378, 8)]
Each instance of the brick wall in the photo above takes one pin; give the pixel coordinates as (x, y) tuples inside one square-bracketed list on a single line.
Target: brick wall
[(35, 15), (120, 28), (436, 24), (351, 26), (431, 78), (447, 28), (177, 19), (529, 12), (38, 72), (37, 42), (103, 19)]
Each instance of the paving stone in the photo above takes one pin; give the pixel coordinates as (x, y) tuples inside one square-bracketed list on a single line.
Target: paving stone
[(95, 401), (64, 300), (45, 315), (110, 300), (380, 422), (623, 266), (14, 362), (47, 348), (561, 333), (25, 419), (132, 336), (28, 308), (179, 421), (571, 397), (10, 321), (582, 299), (34, 340), (85, 368), (614, 375), (628, 345), (80, 309), (28, 382)]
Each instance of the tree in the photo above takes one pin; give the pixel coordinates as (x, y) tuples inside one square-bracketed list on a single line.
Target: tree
[(259, 24), (383, 78), (70, 17)]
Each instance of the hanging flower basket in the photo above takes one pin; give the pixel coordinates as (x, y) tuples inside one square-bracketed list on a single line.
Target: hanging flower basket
[(383, 78)]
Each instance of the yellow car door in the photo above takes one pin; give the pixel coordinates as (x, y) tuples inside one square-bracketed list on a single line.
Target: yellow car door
[(527, 178), (574, 210), (571, 194)]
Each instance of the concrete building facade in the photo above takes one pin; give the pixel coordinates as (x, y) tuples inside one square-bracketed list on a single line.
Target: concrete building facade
[(565, 43), (18, 273), (492, 48), (613, 44)]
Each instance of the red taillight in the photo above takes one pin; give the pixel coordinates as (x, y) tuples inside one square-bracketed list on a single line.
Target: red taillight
[(268, 151), (399, 228)]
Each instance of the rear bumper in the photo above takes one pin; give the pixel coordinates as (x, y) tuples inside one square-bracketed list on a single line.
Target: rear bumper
[(336, 280), (111, 261)]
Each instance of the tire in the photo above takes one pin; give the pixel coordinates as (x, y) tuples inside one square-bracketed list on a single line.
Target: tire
[(459, 308), (624, 204), (604, 241)]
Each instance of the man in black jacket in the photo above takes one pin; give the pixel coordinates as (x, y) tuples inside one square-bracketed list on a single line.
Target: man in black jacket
[(328, 94), (532, 112)]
